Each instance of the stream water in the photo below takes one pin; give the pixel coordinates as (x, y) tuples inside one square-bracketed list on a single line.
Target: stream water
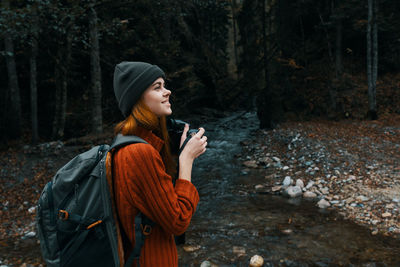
[(231, 224)]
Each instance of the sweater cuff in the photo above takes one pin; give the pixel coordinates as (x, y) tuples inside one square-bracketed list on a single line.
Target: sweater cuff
[(186, 189)]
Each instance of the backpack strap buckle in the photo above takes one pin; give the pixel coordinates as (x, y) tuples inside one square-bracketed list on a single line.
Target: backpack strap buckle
[(146, 229), (63, 215)]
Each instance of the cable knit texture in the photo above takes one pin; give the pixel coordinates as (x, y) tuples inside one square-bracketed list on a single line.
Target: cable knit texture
[(141, 183)]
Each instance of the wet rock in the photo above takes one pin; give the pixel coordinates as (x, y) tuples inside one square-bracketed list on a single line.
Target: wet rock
[(285, 168), (309, 194), (256, 261), (250, 164), (293, 191), (323, 204), (240, 251), (259, 187), (276, 188)]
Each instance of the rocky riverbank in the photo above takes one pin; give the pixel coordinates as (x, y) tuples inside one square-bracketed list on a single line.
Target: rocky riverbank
[(352, 167)]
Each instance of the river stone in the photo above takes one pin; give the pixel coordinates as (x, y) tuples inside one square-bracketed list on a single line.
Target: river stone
[(386, 215), (276, 188), (323, 204), (285, 168), (309, 194), (325, 190), (240, 251), (250, 164), (191, 248), (256, 261), (300, 183), (276, 159), (293, 191), (205, 264), (287, 181), (310, 184), (362, 198)]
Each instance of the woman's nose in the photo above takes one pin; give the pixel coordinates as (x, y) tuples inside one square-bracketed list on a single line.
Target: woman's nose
[(167, 92)]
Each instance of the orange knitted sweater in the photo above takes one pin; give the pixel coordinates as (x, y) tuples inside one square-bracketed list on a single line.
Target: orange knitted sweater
[(141, 183)]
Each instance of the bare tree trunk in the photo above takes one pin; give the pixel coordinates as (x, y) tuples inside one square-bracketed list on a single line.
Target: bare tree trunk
[(372, 58), (232, 42), (61, 75), (97, 121), (33, 85), (338, 52), (15, 122)]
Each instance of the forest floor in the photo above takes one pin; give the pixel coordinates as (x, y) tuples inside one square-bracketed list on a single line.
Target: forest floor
[(352, 164)]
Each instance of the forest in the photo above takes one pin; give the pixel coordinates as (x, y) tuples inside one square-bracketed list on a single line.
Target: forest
[(299, 98), (291, 60)]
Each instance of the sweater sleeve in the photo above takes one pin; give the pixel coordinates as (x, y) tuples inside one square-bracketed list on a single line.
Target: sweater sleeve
[(152, 192)]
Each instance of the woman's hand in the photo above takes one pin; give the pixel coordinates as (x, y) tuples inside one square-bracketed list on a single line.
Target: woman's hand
[(196, 145), (194, 148)]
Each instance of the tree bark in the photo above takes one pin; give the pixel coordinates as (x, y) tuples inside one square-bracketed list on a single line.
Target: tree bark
[(33, 78), (372, 58), (97, 121), (232, 42), (16, 117), (338, 48), (61, 75)]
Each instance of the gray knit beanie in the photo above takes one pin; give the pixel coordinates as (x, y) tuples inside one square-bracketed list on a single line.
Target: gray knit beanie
[(131, 79)]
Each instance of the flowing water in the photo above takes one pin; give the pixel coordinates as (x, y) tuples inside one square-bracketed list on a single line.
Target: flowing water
[(231, 224)]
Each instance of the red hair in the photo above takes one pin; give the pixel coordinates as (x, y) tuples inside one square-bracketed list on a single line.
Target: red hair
[(142, 116)]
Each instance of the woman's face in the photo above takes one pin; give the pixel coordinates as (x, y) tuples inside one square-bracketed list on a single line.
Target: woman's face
[(156, 97)]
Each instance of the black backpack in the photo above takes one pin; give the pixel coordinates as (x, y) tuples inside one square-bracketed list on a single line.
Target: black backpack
[(75, 221)]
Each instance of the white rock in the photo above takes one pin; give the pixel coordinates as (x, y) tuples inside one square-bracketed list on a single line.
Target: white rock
[(300, 183), (352, 178), (293, 191), (285, 168), (191, 248), (309, 194), (310, 184), (323, 204), (259, 187), (386, 215), (32, 210), (276, 159), (276, 188), (325, 190), (205, 264), (287, 181), (30, 234), (362, 198), (256, 261)]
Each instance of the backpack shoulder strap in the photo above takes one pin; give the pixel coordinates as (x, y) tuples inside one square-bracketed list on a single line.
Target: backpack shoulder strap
[(140, 220), (123, 140)]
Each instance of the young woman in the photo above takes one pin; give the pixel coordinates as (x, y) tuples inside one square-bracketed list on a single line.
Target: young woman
[(142, 173)]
